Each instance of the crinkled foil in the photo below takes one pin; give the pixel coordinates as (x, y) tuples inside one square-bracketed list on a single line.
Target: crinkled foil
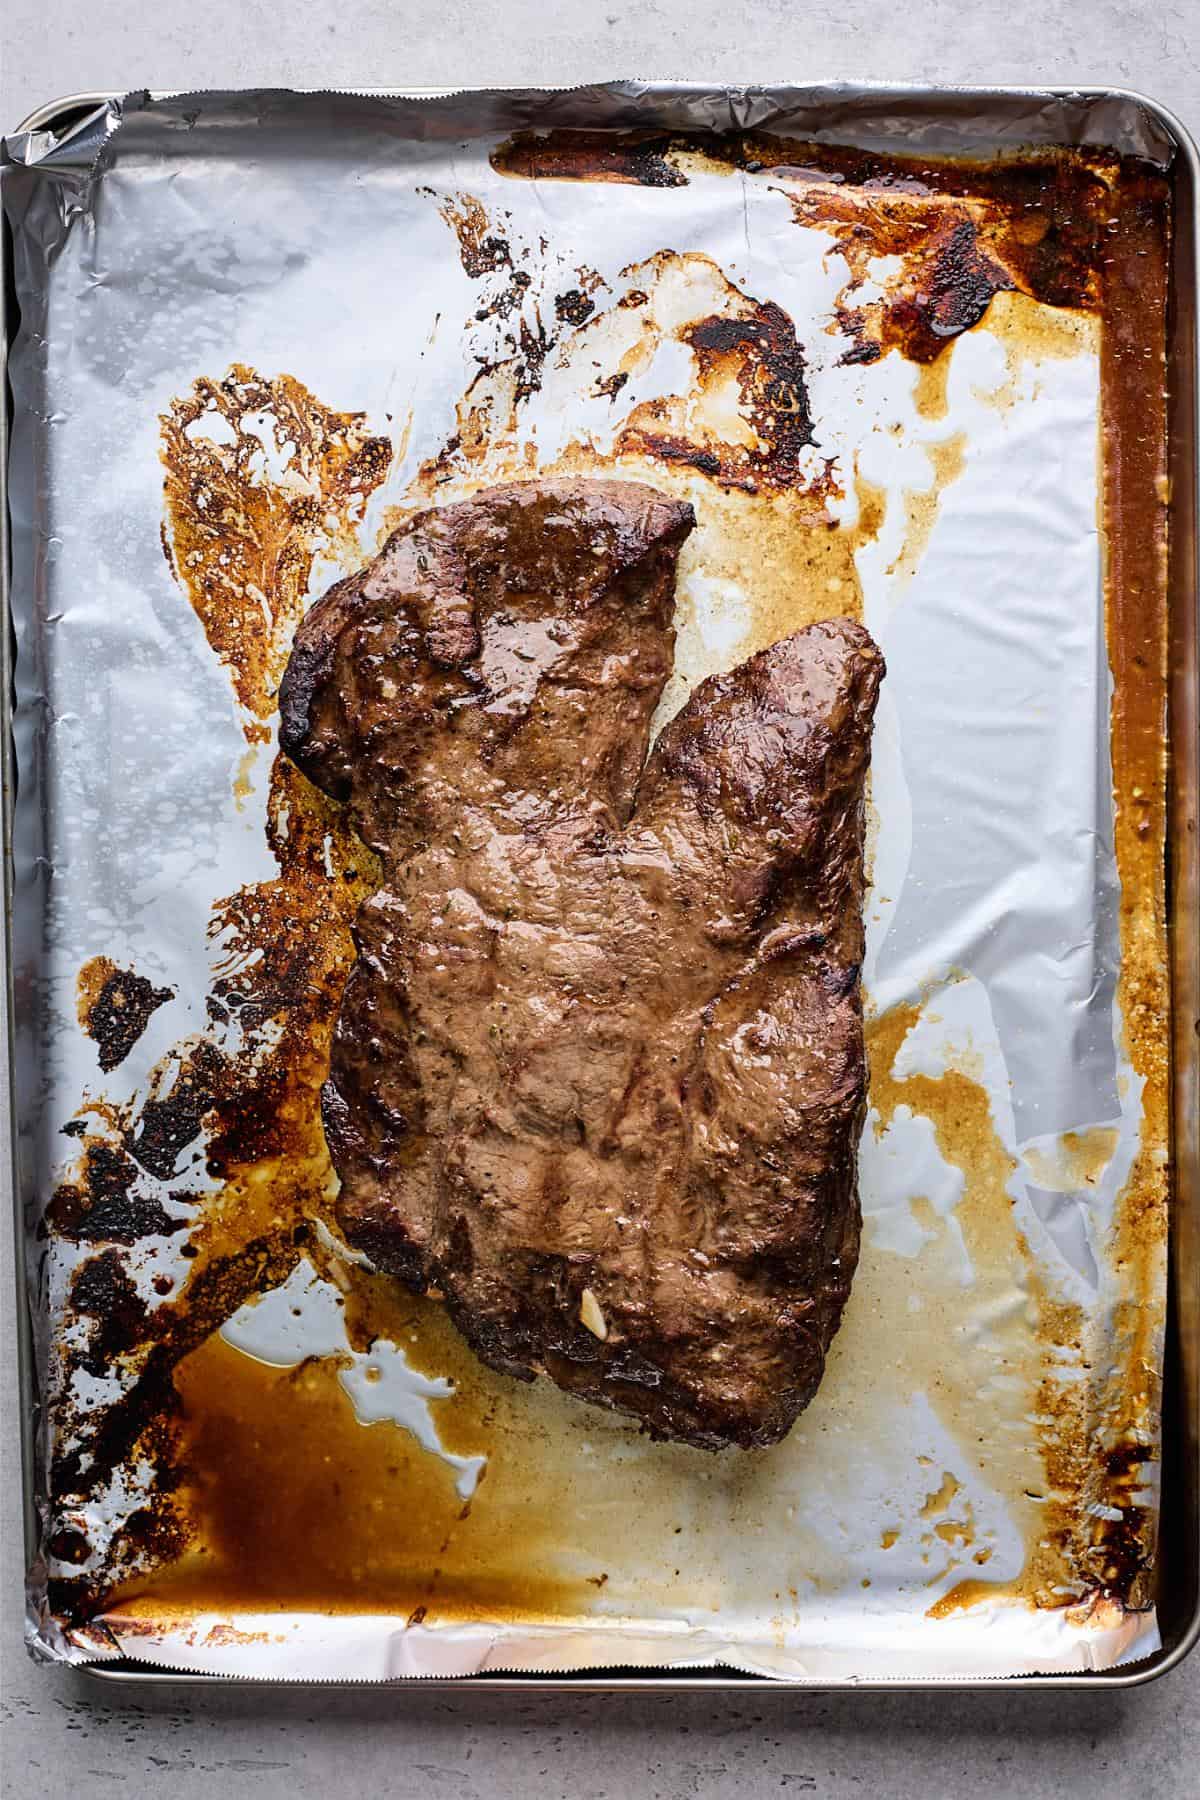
[(256, 332)]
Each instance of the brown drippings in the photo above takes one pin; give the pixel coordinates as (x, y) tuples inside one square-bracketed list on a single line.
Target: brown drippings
[(965, 1594), (241, 541), (1071, 1548), (637, 158), (1039, 221), (1077, 1160), (948, 457), (352, 1518), (480, 249), (1038, 333), (1033, 334), (322, 1531), (872, 507), (101, 1204), (930, 390), (744, 423), (115, 1006), (1134, 516), (574, 307), (283, 948), (1021, 1371), (378, 1307), (940, 1499)]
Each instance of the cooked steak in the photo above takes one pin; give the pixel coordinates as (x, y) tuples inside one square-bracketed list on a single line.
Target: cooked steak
[(598, 1075)]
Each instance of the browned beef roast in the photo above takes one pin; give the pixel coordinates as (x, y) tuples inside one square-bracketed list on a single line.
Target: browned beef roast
[(598, 1074)]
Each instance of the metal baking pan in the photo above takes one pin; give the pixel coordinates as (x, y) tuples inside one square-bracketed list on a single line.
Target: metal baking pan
[(1178, 1565)]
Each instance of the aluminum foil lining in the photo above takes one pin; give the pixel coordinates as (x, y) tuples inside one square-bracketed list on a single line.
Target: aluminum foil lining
[(256, 286)]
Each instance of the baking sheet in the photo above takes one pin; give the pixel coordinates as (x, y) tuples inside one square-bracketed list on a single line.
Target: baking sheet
[(1007, 1111)]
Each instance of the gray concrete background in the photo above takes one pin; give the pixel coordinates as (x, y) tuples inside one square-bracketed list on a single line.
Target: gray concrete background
[(63, 1735)]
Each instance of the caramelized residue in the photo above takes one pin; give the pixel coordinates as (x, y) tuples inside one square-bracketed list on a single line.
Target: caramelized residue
[(637, 158), (1018, 1378), (756, 354), (946, 280), (964, 231), (940, 1499), (114, 1007), (260, 477), (480, 249), (947, 457), (1134, 519), (247, 1090), (1077, 1160), (102, 1204), (744, 422)]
